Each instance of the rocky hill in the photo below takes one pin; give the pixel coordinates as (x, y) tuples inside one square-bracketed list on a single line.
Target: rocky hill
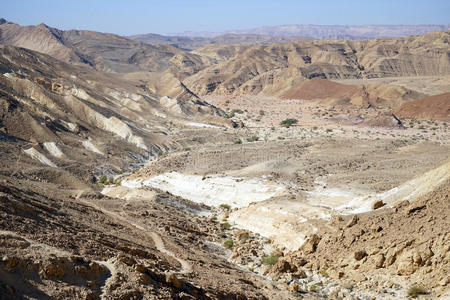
[(411, 56), (370, 95), (186, 42), (104, 52), (433, 107), (243, 68)]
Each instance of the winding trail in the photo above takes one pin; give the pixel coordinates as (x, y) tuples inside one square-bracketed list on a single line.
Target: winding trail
[(159, 244)]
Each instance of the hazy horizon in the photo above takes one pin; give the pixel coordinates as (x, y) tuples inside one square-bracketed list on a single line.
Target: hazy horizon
[(139, 17)]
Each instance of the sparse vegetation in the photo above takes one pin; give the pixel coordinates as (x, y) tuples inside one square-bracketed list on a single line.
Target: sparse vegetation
[(237, 111), (288, 122), (416, 291), (230, 115), (323, 273), (238, 142), (329, 130), (228, 244), (226, 226), (314, 288), (253, 138), (214, 218), (270, 259), (103, 179), (225, 206)]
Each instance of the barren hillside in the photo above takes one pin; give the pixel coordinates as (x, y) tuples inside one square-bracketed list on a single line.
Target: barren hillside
[(433, 107), (138, 171)]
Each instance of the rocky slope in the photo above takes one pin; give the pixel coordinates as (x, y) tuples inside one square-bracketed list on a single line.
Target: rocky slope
[(241, 69), (105, 52), (412, 56), (371, 95), (433, 107), (191, 43), (62, 129)]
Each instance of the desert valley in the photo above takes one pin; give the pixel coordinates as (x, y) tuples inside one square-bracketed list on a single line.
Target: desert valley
[(247, 165)]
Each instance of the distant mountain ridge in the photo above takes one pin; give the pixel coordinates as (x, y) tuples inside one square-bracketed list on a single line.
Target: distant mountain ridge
[(190, 43), (321, 32)]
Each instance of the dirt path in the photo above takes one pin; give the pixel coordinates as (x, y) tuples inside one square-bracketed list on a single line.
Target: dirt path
[(159, 244)]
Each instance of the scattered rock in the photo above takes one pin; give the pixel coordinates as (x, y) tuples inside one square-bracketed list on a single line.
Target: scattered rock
[(294, 287), (310, 245), (352, 221), (360, 254), (173, 280), (377, 204)]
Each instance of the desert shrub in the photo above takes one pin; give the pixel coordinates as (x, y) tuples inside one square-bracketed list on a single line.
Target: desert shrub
[(261, 113), (111, 180), (230, 115), (288, 122), (315, 128), (228, 244), (237, 111), (226, 225), (238, 142), (416, 291), (225, 206), (314, 288), (270, 259), (187, 149), (329, 130), (103, 179), (323, 273), (254, 138), (214, 218)]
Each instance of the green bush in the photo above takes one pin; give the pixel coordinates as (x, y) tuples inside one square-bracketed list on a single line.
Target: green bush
[(228, 244), (416, 291), (270, 259), (226, 225), (225, 206), (288, 122), (314, 288), (329, 130), (103, 179), (254, 138), (230, 115), (238, 142)]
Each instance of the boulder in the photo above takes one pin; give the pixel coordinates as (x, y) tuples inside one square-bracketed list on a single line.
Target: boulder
[(173, 280), (310, 245), (377, 204), (352, 221), (360, 254)]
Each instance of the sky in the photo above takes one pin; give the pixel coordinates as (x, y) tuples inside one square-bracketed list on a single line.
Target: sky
[(129, 17)]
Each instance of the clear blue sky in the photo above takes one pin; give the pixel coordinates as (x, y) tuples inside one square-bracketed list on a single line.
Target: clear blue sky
[(170, 16)]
